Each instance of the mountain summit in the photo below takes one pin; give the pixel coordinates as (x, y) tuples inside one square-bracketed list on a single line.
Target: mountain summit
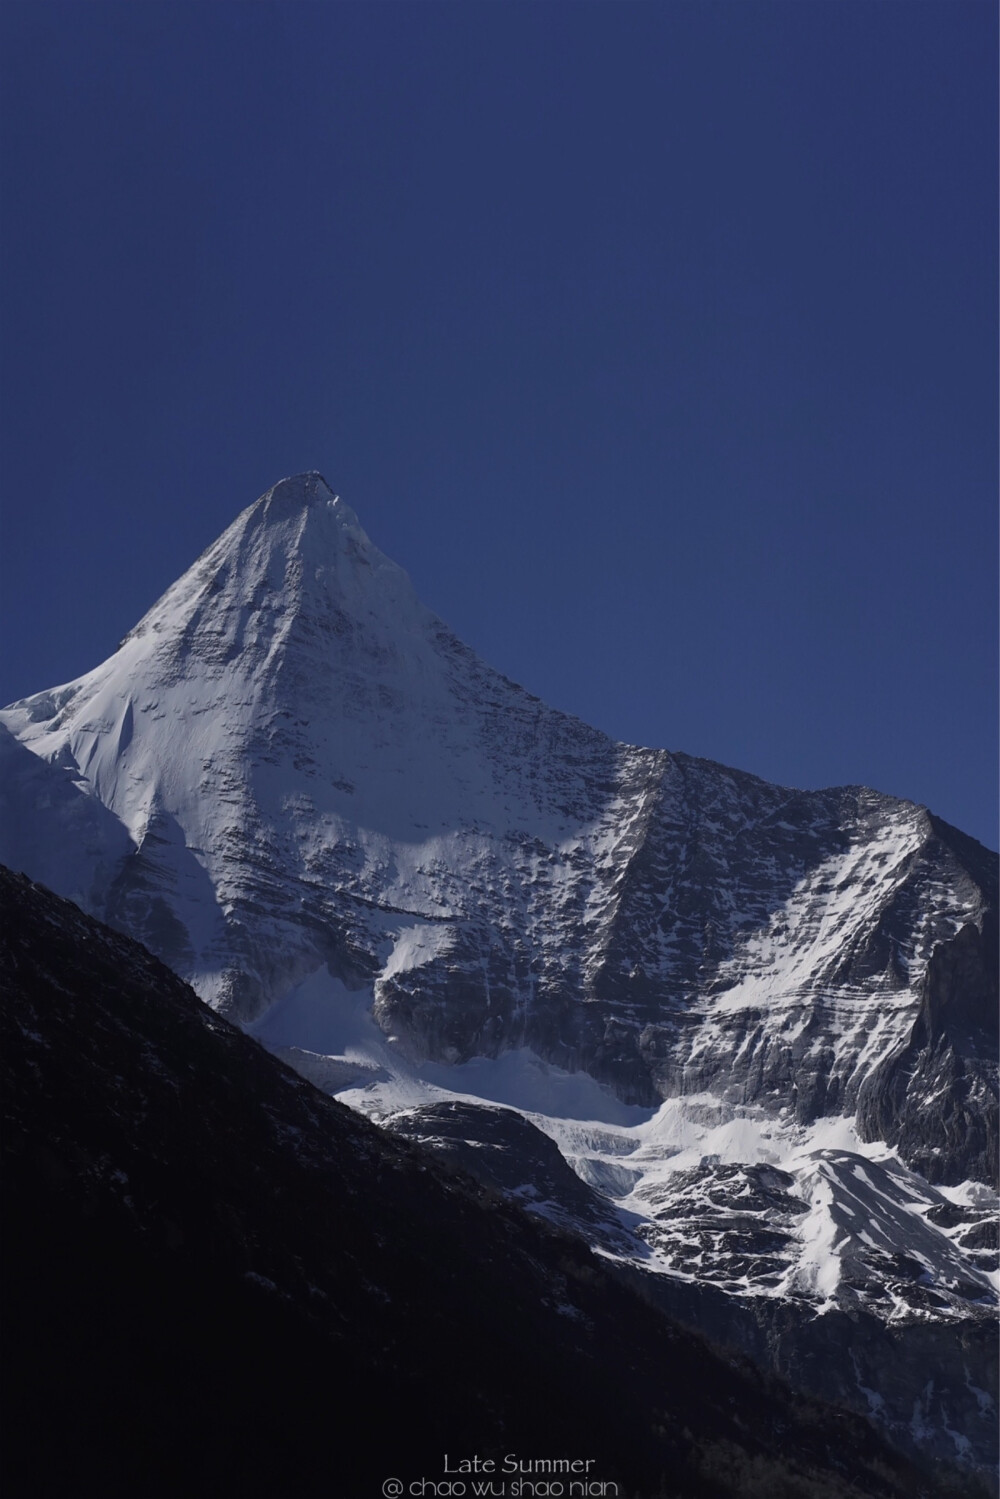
[(403, 872), (298, 552), (305, 769)]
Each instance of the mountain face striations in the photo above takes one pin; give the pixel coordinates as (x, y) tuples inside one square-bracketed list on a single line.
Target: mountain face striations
[(758, 1024)]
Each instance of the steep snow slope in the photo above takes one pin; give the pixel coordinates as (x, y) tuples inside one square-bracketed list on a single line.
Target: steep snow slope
[(299, 788)]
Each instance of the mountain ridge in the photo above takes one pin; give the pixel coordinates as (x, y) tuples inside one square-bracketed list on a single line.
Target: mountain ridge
[(415, 881), (289, 732)]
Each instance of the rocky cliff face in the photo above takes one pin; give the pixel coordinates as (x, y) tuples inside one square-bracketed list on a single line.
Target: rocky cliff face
[(295, 785)]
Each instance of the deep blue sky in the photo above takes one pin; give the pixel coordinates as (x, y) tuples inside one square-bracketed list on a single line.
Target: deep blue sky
[(656, 340)]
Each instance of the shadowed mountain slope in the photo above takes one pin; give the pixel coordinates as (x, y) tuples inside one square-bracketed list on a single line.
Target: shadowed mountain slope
[(221, 1282)]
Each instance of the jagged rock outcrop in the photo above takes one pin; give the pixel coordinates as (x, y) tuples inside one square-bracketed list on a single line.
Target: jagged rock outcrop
[(935, 1098)]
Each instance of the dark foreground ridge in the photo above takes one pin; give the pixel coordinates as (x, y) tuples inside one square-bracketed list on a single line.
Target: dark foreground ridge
[(219, 1281)]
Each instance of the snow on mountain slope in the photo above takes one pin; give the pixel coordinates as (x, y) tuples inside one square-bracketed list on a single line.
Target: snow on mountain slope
[(289, 733), (51, 823), (416, 881)]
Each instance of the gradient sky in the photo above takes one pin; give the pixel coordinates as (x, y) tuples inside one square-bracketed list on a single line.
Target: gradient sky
[(657, 341)]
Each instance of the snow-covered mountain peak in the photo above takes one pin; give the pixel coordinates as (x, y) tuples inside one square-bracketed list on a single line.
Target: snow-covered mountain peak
[(291, 691), (291, 497), (304, 793), (298, 489), (298, 549), (313, 771)]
